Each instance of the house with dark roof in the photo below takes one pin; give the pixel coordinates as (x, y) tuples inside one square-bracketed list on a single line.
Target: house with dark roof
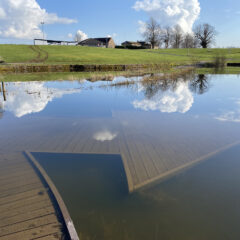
[(98, 42), (136, 45)]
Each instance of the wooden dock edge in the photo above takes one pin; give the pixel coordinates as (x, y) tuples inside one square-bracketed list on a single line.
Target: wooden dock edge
[(68, 221), (128, 174), (169, 174), (124, 161)]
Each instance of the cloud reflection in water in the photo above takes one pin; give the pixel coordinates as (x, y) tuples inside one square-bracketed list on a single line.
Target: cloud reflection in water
[(31, 97), (231, 116), (104, 135), (177, 99)]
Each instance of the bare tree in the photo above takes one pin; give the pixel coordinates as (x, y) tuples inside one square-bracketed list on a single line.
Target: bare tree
[(152, 33), (188, 41), (206, 34), (166, 37), (177, 37)]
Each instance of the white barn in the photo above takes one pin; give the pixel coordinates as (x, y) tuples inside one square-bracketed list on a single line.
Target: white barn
[(54, 42)]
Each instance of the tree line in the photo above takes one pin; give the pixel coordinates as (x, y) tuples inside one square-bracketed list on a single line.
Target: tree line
[(203, 36)]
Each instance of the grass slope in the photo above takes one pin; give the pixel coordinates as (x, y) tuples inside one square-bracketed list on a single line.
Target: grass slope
[(88, 55)]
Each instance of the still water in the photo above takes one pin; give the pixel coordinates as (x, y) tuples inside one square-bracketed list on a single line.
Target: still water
[(109, 146)]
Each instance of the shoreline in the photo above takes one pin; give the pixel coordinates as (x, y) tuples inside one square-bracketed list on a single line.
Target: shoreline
[(30, 68)]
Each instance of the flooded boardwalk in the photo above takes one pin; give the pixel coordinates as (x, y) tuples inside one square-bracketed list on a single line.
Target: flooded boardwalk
[(26, 205), (100, 143)]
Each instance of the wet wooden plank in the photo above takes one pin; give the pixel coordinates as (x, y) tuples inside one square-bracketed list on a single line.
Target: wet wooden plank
[(28, 216), (22, 196), (23, 203), (26, 209), (54, 236), (20, 189), (67, 219), (138, 163), (21, 179), (16, 174), (28, 224), (34, 233)]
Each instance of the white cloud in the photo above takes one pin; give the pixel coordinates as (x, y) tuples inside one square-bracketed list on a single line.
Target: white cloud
[(171, 12), (70, 35), (21, 19), (142, 26), (178, 100), (104, 135), (80, 36), (32, 97), (2, 13), (112, 35)]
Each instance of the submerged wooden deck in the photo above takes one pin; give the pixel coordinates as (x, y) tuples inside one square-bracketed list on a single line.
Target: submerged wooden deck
[(27, 209), (150, 152)]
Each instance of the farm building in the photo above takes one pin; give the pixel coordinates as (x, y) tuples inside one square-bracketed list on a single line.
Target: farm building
[(138, 44), (98, 42), (146, 45), (54, 42)]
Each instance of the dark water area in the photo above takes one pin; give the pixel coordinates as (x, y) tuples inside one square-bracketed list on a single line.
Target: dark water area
[(135, 158), (201, 203)]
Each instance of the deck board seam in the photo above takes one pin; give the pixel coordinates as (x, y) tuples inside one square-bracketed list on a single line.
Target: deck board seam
[(10, 194), (20, 199), (30, 219), (32, 211), (28, 229), (46, 199)]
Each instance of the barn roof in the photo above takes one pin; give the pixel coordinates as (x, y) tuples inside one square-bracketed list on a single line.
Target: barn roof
[(54, 41), (94, 41)]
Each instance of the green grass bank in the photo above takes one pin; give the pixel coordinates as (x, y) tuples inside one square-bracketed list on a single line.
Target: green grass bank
[(26, 54)]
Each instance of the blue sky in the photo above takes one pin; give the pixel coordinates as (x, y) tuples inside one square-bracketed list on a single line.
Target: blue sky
[(117, 18)]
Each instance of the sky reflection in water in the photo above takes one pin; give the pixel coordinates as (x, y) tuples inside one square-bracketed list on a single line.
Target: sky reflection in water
[(175, 122), (182, 96)]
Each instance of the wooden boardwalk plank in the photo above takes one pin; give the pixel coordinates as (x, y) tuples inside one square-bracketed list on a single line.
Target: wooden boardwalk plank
[(27, 217), (34, 233), (35, 221), (20, 189), (22, 196), (51, 237), (23, 203), (26, 209)]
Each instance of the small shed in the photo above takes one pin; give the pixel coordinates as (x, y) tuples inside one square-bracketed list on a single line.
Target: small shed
[(98, 42)]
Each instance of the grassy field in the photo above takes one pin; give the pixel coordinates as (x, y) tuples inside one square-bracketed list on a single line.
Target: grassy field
[(88, 55)]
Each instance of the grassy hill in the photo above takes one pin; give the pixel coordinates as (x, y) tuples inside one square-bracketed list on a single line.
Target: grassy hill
[(88, 55)]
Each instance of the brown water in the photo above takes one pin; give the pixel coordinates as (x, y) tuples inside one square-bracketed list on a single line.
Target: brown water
[(202, 203), (127, 137)]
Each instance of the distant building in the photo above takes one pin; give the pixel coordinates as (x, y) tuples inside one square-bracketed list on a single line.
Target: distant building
[(138, 44), (54, 42), (98, 42), (146, 45), (129, 44)]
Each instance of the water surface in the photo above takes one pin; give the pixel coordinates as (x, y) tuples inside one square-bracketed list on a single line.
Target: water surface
[(116, 139), (202, 203)]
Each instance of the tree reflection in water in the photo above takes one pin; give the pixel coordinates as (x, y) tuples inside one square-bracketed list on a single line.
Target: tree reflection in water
[(170, 95), (200, 84), (197, 84)]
